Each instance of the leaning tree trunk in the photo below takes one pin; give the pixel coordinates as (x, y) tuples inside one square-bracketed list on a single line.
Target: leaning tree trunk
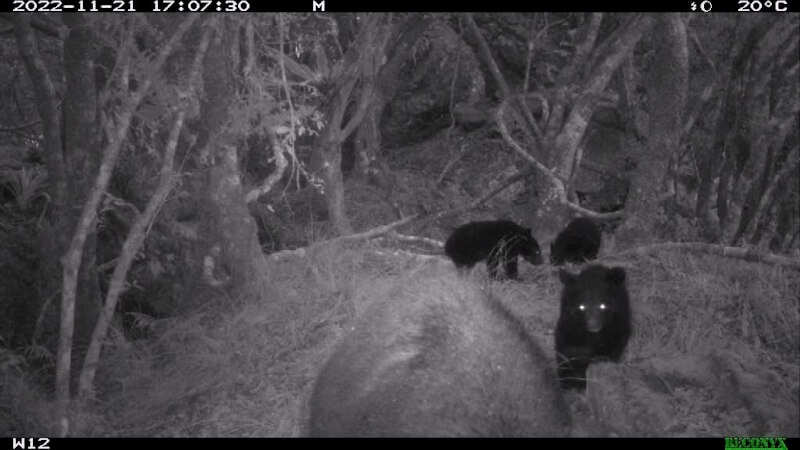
[(667, 88), (138, 230), (74, 253)]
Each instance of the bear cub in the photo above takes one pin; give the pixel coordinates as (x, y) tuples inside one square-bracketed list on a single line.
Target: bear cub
[(577, 243), (594, 323), (497, 241)]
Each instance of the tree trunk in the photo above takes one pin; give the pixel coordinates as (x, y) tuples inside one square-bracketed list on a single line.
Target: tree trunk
[(709, 160), (667, 86), (778, 189), (787, 213), (399, 47), (53, 236), (360, 63), (782, 227), (738, 146), (236, 228), (368, 142), (47, 106), (74, 253), (138, 232), (230, 221), (771, 114), (82, 155), (765, 215), (602, 64), (763, 187)]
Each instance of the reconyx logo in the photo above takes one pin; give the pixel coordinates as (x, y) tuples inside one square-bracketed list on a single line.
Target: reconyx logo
[(754, 443)]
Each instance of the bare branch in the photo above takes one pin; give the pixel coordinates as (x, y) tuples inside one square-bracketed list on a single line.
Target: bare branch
[(582, 51), (715, 249), (558, 184), (486, 55), (416, 239)]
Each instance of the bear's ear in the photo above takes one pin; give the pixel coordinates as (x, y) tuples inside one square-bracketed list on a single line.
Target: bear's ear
[(566, 278), (616, 275), (529, 232)]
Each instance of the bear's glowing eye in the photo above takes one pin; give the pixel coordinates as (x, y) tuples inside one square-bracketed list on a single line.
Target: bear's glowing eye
[(603, 306), (582, 307)]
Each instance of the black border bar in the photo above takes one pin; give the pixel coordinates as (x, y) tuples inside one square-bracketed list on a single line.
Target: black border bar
[(231, 6), (259, 443)]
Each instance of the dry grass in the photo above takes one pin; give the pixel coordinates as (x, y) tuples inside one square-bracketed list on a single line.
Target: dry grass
[(242, 371), (715, 351), (24, 410)]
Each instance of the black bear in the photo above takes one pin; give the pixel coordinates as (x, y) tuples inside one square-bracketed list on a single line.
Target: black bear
[(577, 243), (437, 356), (497, 241), (594, 324)]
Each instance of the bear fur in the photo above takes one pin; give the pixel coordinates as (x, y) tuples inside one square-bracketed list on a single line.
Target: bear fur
[(436, 356), (594, 323), (577, 243), (496, 241)]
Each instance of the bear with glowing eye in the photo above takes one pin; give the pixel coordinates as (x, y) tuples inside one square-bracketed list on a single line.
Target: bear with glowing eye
[(594, 323)]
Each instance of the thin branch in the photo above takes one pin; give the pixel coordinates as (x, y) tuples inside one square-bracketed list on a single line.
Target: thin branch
[(416, 239), (137, 233), (582, 51), (20, 127), (558, 184), (714, 249)]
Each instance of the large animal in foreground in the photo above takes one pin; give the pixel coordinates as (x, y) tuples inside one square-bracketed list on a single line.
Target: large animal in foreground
[(437, 356), (497, 241)]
